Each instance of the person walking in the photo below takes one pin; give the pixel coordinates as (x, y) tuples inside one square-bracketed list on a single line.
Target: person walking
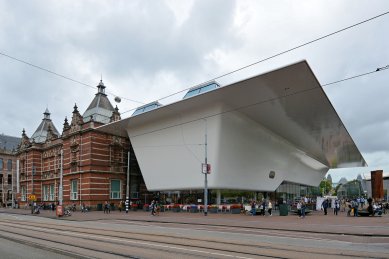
[(120, 206), (253, 210), (324, 205), (355, 205), (152, 207), (298, 207), (269, 208), (303, 207), (106, 207), (337, 207)]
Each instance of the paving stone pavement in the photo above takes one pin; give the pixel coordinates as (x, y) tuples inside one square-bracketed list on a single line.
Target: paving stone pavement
[(314, 222)]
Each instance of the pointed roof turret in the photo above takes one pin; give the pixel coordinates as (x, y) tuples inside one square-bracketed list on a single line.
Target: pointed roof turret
[(66, 125), (100, 108), (115, 115), (76, 118), (40, 135)]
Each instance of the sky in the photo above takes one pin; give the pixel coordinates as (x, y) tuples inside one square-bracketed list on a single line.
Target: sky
[(146, 50)]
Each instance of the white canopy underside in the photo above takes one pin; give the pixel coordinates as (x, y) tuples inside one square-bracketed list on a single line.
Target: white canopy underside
[(280, 121)]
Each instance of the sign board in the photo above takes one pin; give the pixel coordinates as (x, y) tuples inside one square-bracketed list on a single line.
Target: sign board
[(206, 168), (32, 197)]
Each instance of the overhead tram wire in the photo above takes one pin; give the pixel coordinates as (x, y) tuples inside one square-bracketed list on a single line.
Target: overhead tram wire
[(223, 75), (275, 55), (64, 77), (348, 78), (281, 53), (264, 101)]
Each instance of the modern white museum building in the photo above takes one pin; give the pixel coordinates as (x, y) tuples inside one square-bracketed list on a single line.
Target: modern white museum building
[(255, 134)]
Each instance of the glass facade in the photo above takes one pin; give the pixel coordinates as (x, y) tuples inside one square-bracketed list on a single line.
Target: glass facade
[(289, 192), (350, 190)]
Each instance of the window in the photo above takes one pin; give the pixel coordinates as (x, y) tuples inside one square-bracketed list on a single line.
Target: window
[(146, 108), (10, 179), (201, 89), (45, 192), (73, 191), (23, 198), (115, 189), (9, 165), (1, 164), (52, 192)]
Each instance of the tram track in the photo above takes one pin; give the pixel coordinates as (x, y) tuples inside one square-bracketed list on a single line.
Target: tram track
[(142, 240)]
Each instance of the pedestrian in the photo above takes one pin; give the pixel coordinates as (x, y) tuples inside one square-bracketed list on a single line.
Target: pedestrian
[(263, 207), (269, 208), (355, 205), (303, 207), (253, 210), (324, 205), (106, 207), (83, 207), (337, 207), (157, 208), (152, 208), (120, 206), (298, 207)]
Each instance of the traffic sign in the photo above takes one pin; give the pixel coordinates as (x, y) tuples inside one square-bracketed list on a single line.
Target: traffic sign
[(32, 197), (206, 168)]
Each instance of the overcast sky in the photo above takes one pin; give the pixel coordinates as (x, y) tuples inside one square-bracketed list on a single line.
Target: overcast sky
[(145, 50)]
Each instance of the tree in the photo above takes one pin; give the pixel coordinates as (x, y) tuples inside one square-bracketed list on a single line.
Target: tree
[(325, 187)]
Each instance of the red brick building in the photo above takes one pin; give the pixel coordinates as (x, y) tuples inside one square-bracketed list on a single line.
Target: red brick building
[(94, 164), (8, 146)]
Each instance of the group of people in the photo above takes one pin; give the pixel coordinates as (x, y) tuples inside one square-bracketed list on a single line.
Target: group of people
[(353, 206), (301, 207), (262, 206)]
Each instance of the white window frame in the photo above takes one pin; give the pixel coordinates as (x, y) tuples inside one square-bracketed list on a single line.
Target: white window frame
[(117, 195), (74, 191), (23, 192), (45, 192), (52, 192)]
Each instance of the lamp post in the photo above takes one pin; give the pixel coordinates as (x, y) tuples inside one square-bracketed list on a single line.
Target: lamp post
[(60, 194), (205, 171), (128, 181)]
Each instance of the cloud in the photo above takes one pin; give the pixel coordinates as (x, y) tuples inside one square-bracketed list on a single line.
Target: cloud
[(149, 49)]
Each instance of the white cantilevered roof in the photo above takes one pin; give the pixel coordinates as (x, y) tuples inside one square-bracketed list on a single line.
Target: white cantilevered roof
[(289, 102)]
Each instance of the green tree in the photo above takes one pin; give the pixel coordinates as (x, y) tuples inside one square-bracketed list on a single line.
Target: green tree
[(325, 187)]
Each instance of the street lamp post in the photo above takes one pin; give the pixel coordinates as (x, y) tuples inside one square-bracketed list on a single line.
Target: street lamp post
[(60, 194), (128, 182), (205, 171)]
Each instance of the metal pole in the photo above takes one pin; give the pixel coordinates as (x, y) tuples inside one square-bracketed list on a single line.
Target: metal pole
[(32, 187), (128, 182), (60, 194), (12, 188), (206, 174)]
